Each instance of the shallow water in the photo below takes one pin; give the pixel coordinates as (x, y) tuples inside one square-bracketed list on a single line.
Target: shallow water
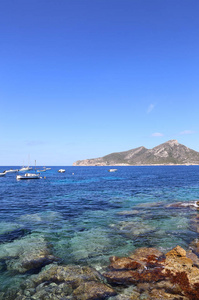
[(93, 214)]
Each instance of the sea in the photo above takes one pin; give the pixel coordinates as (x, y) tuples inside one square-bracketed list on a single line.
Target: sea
[(88, 214)]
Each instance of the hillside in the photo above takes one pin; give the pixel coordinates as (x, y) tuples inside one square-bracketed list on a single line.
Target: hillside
[(169, 153)]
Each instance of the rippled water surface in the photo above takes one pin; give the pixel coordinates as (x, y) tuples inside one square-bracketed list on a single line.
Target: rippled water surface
[(92, 214)]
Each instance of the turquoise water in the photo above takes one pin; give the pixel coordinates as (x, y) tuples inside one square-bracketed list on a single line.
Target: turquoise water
[(94, 214)]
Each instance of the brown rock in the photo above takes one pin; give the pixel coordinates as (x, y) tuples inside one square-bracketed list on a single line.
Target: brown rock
[(93, 290), (122, 277), (176, 252), (142, 253), (123, 263), (160, 294), (132, 277), (177, 261)]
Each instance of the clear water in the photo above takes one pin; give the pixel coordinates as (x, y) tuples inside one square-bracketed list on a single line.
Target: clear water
[(93, 214)]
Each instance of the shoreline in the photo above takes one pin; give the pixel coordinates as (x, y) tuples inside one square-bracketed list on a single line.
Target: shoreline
[(126, 165)]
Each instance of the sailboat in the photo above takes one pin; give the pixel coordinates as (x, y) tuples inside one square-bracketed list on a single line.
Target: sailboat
[(24, 169), (29, 175)]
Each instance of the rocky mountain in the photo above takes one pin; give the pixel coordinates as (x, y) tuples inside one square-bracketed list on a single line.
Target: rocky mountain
[(169, 153)]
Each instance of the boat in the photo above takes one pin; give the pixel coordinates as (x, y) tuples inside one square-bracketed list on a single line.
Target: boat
[(28, 176), (112, 170), (24, 169), (3, 173), (44, 170), (61, 170), (11, 171)]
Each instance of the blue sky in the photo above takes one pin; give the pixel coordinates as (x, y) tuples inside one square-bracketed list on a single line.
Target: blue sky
[(84, 78)]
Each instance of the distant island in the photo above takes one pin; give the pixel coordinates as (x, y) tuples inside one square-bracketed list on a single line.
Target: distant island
[(169, 153)]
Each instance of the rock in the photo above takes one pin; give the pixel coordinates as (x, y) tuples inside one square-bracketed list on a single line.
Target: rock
[(123, 263), (71, 274), (122, 277), (42, 217), (157, 294), (92, 290), (131, 229), (29, 253), (191, 204), (12, 235), (175, 276), (128, 212), (176, 252), (84, 244), (66, 282), (177, 262), (195, 246), (193, 257), (141, 254)]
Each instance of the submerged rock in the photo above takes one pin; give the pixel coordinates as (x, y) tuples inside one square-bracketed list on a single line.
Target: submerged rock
[(30, 252), (89, 243), (132, 228), (13, 235), (128, 212), (190, 204), (42, 217)]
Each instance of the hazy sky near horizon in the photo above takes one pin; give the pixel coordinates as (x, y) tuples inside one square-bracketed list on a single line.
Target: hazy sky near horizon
[(84, 78)]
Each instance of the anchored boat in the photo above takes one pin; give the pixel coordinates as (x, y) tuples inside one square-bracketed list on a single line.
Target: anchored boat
[(112, 170), (28, 176), (3, 173)]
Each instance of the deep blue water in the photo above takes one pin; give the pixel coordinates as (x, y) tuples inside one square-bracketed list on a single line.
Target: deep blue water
[(92, 214)]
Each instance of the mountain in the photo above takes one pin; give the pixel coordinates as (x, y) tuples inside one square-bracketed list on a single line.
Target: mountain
[(169, 153)]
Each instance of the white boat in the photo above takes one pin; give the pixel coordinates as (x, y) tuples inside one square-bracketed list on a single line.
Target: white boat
[(112, 170), (61, 170), (3, 173), (28, 176), (44, 170), (24, 169), (11, 171)]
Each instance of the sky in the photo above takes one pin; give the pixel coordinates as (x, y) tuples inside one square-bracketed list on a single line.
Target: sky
[(84, 78)]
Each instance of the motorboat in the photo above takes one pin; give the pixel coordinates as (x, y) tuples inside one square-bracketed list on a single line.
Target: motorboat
[(61, 171), (112, 170), (28, 176)]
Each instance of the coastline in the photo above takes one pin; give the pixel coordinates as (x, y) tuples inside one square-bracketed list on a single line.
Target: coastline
[(127, 165)]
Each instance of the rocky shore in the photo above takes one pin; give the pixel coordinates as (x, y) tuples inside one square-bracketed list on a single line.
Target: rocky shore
[(147, 273)]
